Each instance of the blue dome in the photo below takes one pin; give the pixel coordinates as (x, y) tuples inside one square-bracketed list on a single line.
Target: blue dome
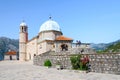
[(49, 25)]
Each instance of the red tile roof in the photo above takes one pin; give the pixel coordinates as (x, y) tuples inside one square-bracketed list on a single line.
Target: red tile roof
[(11, 53), (62, 38)]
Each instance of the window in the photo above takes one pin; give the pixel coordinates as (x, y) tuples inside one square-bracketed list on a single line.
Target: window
[(64, 47)]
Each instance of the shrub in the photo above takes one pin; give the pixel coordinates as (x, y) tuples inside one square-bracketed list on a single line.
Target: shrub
[(79, 63), (47, 63), (75, 61)]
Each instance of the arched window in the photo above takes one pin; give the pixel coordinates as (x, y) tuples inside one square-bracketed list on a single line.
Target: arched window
[(22, 29), (64, 47)]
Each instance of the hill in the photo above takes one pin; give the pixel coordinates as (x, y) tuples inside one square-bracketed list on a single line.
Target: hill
[(107, 47), (115, 47), (7, 44)]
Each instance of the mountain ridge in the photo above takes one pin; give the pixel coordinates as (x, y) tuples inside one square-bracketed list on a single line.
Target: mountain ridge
[(103, 46)]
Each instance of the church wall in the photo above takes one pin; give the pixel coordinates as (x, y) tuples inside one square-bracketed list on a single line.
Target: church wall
[(46, 35), (31, 49), (41, 47), (49, 35), (50, 46), (45, 46)]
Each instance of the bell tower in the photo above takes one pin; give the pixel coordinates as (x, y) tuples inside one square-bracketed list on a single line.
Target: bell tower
[(23, 38)]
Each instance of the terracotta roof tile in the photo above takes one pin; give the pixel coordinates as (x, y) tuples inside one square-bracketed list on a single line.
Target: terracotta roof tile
[(11, 53), (63, 38)]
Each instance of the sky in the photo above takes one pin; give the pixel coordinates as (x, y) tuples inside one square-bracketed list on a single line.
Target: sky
[(90, 21)]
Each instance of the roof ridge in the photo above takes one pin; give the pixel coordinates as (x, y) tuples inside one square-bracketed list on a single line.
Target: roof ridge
[(62, 37)]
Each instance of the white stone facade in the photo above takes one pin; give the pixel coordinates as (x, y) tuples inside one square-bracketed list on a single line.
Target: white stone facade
[(45, 40)]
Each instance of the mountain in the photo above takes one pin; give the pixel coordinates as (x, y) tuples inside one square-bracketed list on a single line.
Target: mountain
[(104, 46), (100, 46), (7, 44), (115, 47)]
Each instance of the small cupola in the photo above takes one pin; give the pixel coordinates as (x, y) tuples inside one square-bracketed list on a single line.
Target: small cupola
[(23, 27)]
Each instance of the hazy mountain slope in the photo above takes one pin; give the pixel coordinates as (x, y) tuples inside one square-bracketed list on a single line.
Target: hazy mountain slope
[(100, 46), (103, 46), (113, 47), (7, 44)]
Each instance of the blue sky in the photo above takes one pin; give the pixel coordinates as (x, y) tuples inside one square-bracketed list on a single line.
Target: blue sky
[(91, 21)]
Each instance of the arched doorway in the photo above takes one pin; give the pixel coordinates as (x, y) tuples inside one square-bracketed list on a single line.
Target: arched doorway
[(64, 47)]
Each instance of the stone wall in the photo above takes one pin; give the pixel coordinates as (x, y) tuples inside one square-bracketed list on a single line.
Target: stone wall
[(79, 50), (105, 63), (100, 63), (63, 58)]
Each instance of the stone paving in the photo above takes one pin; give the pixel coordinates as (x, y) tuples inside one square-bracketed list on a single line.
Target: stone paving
[(16, 70)]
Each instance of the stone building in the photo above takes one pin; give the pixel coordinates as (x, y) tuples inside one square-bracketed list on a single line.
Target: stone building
[(49, 38), (11, 55)]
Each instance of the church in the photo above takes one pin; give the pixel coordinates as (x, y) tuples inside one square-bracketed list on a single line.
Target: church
[(49, 38)]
